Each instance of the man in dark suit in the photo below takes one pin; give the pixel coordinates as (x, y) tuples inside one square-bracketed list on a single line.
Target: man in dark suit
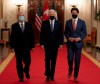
[(51, 38), (75, 31), (21, 41)]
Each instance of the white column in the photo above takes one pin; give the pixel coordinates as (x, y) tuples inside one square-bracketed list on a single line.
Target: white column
[(1, 13), (98, 35)]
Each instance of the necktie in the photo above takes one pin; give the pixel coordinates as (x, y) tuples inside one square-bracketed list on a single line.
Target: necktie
[(22, 27), (51, 25), (74, 25)]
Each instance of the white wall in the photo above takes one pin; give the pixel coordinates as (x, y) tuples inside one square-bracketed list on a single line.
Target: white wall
[(10, 11), (96, 7), (0, 9), (84, 7)]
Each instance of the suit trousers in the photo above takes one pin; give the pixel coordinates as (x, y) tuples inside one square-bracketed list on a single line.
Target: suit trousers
[(74, 55), (50, 60), (22, 58)]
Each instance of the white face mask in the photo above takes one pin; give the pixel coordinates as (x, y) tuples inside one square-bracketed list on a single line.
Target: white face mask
[(21, 18)]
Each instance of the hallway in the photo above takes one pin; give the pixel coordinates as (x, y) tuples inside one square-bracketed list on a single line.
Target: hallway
[(89, 72)]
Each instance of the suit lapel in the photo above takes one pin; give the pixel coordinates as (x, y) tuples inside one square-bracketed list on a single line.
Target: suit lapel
[(71, 25), (49, 27), (55, 25), (18, 26), (78, 24), (25, 26)]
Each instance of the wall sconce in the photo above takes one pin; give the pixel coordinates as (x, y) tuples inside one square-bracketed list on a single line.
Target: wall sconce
[(18, 7), (19, 4), (73, 3)]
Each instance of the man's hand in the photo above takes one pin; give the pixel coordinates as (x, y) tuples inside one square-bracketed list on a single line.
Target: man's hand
[(12, 50), (42, 46), (32, 49), (60, 46), (71, 39), (77, 39)]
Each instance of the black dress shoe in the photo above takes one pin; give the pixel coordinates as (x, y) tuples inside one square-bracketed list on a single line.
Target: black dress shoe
[(27, 76), (52, 78), (47, 79), (21, 80), (69, 75), (75, 79)]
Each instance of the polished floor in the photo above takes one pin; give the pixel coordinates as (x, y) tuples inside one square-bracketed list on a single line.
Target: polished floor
[(95, 52), (4, 51)]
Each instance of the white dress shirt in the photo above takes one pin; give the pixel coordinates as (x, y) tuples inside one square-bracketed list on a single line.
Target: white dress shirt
[(20, 23), (52, 21)]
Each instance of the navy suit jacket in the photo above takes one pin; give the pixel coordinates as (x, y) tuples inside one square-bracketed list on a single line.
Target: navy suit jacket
[(22, 40), (79, 32), (51, 38)]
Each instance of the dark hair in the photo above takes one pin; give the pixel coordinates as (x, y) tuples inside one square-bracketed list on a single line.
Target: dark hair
[(76, 9)]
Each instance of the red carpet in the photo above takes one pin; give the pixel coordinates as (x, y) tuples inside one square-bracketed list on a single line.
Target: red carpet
[(89, 72)]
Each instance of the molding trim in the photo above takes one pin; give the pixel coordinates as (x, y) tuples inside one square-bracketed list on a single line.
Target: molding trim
[(4, 64)]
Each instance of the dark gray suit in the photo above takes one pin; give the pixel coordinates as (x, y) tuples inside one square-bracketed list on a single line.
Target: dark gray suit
[(22, 43), (51, 41)]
